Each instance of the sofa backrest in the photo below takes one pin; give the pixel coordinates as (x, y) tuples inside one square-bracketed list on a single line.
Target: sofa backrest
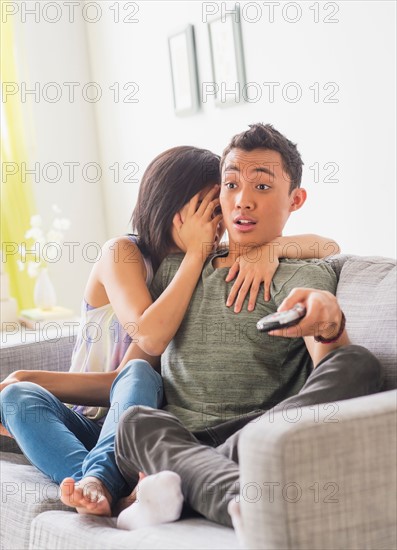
[(367, 294)]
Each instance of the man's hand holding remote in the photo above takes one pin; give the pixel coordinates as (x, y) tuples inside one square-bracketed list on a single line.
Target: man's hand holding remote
[(323, 326)]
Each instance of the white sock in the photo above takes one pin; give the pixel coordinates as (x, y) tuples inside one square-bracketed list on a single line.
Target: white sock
[(159, 500), (235, 513)]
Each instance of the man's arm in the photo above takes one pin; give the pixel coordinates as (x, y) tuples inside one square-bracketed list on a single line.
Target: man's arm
[(318, 351), (323, 318)]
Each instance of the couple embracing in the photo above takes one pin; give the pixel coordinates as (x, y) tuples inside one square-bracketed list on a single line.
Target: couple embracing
[(145, 435)]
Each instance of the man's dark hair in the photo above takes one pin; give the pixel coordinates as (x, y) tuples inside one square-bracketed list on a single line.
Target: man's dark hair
[(264, 136)]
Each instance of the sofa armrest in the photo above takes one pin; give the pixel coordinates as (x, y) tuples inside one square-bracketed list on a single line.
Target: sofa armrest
[(321, 477), (52, 355)]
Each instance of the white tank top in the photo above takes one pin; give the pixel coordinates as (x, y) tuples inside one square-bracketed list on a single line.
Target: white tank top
[(101, 343)]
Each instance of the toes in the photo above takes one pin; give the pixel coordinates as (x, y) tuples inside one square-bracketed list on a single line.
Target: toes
[(86, 498), (67, 487), (91, 492)]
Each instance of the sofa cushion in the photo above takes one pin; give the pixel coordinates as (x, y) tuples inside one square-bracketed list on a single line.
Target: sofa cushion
[(323, 479), (367, 294), (25, 493), (68, 531)]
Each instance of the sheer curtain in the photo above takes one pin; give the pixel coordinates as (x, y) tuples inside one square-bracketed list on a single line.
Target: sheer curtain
[(17, 200)]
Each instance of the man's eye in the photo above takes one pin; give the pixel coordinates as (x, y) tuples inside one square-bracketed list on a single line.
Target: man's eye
[(230, 185), (263, 186)]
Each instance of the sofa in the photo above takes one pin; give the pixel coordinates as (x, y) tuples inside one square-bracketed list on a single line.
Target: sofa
[(317, 478)]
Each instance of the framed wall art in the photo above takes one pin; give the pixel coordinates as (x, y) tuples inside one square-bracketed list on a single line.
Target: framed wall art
[(182, 52), (227, 58)]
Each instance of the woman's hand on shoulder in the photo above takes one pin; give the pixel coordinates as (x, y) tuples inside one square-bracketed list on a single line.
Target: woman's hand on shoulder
[(258, 265)]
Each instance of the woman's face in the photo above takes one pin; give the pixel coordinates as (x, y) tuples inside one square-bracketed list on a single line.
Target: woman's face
[(179, 246)]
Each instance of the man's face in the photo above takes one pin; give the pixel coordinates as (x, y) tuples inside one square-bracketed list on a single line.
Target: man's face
[(255, 197)]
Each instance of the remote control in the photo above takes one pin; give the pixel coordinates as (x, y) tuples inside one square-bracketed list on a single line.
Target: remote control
[(282, 319)]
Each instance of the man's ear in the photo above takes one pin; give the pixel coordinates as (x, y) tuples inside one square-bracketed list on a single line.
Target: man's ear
[(297, 199)]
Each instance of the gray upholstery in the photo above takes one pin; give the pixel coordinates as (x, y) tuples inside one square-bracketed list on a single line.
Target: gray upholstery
[(367, 292), (334, 477), (338, 261), (52, 355), (357, 453), (25, 493), (89, 533)]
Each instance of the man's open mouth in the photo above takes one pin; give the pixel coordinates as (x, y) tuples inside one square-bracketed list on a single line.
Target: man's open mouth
[(244, 224)]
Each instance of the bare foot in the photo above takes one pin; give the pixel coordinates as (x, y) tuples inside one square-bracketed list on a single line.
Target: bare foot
[(88, 496)]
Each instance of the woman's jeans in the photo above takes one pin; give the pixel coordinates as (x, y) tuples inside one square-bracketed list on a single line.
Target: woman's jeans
[(63, 443)]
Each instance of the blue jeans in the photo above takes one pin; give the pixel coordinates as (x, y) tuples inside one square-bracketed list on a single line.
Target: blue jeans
[(63, 443)]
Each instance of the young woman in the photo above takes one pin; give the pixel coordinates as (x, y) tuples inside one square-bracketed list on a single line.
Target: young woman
[(177, 210)]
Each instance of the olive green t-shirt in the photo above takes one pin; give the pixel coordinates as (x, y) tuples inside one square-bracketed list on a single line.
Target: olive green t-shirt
[(218, 366)]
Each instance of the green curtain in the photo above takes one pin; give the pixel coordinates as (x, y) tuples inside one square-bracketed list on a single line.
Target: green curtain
[(17, 200)]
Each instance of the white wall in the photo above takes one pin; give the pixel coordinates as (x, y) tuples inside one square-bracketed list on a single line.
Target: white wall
[(357, 133), (60, 132)]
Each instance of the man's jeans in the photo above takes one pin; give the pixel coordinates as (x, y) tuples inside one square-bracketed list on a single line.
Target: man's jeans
[(63, 443), (154, 440)]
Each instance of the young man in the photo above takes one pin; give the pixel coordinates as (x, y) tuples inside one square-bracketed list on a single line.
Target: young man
[(219, 373)]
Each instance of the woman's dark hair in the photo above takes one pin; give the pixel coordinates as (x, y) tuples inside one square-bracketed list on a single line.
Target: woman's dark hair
[(169, 182), (265, 136)]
